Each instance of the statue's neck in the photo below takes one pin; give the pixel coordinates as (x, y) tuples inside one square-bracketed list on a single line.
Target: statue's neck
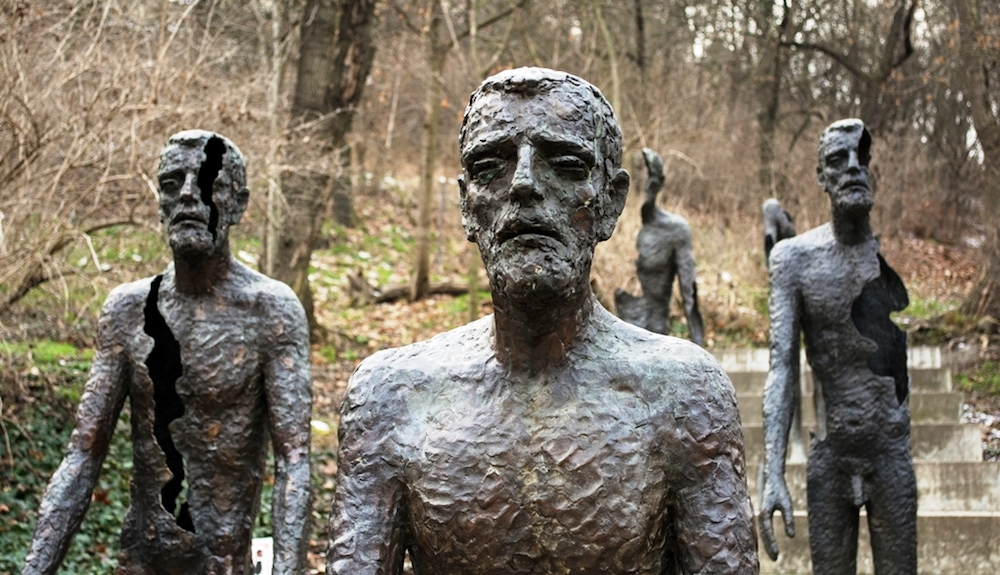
[(851, 228), (195, 274), (531, 338)]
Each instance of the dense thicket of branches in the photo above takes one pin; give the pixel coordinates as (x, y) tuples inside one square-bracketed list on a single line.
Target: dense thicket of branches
[(732, 93)]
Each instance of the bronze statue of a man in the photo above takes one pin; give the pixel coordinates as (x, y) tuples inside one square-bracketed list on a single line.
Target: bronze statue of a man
[(665, 252), (214, 360), (832, 285), (550, 437)]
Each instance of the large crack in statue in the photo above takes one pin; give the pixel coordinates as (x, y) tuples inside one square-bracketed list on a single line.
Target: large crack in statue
[(832, 285), (665, 252), (214, 359), (550, 437)]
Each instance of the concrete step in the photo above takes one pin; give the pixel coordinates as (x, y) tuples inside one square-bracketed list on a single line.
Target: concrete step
[(756, 359), (928, 442), (941, 486), (926, 407), (947, 544), (934, 380)]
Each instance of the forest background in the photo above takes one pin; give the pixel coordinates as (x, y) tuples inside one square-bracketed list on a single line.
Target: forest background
[(348, 113)]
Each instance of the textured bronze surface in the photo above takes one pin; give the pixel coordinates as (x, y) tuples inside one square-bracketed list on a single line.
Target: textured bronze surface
[(665, 253), (833, 286), (778, 225), (550, 437), (214, 359)]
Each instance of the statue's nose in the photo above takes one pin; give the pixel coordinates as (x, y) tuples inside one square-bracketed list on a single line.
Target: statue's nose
[(189, 189), (523, 184), (853, 162)]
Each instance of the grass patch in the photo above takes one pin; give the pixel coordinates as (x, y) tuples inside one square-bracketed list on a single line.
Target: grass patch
[(983, 378)]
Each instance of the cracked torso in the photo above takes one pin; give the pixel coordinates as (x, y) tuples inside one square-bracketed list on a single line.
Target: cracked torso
[(221, 436), (861, 400)]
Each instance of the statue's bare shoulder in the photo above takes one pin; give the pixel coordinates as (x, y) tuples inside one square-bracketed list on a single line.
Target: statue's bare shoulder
[(270, 295), (684, 384), (796, 250), (127, 298), (425, 367)]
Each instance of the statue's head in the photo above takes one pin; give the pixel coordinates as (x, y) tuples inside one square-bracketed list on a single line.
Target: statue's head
[(541, 180), (842, 169), (202, 179)]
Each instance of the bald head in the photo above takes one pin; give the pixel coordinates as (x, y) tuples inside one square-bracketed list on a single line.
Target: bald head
[(850, 131), (578, 100)]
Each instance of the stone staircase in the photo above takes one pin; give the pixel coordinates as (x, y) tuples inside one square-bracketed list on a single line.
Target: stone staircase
[(958, 494)]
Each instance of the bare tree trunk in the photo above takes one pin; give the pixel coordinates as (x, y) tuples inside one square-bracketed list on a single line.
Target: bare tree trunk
[(770, 96), (335, 59), (276, 38), (441, 35), (437, 46), (609, 45), (977, 61), (640, 43)]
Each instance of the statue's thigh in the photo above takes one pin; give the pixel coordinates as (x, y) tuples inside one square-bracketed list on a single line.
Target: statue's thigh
[(892, 516), (833, 517)]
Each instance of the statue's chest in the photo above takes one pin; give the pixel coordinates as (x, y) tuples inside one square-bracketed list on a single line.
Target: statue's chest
[(830, 283), (216, 357), (572, 484)]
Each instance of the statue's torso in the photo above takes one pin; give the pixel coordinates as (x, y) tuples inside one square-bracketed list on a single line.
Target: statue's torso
[(572, 472), (221, 435), (831, 279), (498, 484)]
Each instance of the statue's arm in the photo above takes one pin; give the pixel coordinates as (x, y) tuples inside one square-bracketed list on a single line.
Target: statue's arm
[(288, 385), (367, 519), (714, 517), (689, 289), (784, 308), (68, 494)]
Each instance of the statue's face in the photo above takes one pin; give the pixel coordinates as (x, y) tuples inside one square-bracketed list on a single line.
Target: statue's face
[(843, 169), (187, 210), (532, 190)]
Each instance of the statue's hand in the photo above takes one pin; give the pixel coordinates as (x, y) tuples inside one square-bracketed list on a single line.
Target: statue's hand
[(775, 497)]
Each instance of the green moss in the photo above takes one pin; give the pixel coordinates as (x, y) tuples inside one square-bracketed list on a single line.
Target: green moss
[(985, 378)]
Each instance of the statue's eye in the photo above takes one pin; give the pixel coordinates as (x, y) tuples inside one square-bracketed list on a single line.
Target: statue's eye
[(485, 171), (571, 166), (169, 184), (837, 159)]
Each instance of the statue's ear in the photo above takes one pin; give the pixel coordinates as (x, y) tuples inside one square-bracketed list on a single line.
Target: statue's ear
[(467, 224), (242, 199), (617, 192), (820, 178)]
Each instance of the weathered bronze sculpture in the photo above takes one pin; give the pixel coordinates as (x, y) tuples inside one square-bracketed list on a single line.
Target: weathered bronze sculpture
[(778, 225), (833, 285), (665, 252), (550, 437), (214, 359)]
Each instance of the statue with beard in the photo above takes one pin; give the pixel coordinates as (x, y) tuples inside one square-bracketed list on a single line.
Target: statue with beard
[(214, 360), (550, 437), (832, 285)]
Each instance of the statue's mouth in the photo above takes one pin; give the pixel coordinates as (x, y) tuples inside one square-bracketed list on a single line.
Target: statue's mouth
[(528, 233), (188, 217), (853, 185)]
